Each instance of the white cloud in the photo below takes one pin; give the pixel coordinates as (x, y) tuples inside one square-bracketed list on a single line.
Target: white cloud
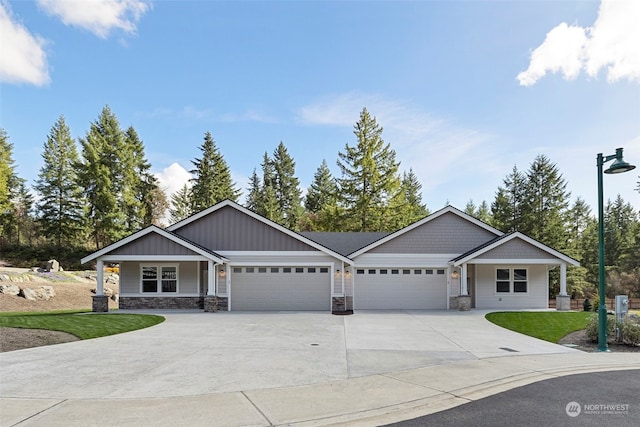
[(22, 58), (98, 16), (438, 150), (610, 44), (173, 178)]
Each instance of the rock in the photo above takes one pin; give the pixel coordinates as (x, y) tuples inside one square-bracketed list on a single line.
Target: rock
[(17, 279), (36, 269), (115, 297), (46, 292), (4, 278), (53, 265), (108, 292), (28, 294), (112, 279), (9, 289)]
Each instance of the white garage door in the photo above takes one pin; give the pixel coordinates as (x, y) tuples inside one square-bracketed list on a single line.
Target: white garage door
[(400, 288), (280, 288)]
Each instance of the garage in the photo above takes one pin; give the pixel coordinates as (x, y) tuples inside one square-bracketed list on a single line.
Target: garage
[(400, 289), (270, 288)]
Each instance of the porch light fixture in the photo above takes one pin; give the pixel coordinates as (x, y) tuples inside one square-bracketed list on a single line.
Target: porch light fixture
[(618, 166), (222, 273), (455, 274)]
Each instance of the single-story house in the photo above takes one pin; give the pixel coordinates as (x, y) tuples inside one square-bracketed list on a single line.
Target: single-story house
[(227, 257)]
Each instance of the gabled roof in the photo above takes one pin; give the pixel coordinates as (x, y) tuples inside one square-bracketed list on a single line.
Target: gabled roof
[(344, 242), (176, 227), (164, 233), (431, 217), (501, 240)]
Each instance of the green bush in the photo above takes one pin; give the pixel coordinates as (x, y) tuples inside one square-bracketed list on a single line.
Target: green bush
[(630, 329), (592, 327), (586, 305)]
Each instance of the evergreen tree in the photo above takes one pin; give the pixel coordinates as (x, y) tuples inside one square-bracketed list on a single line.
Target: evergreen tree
[(506, 210), (369, 176), (406, 206), (545, 204), (268, 205), (180, 204), (211, 180), (619, 222), (155, 203), (61, 200), (100, 175), (470, 208), (254, 195), (8, 184), (23, 204), (286, 188), (578, 219), (321, 202), (483, 213)]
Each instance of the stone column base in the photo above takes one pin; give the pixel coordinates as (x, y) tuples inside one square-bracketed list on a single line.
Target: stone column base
[(563, 302), (100, 304), (464, 302), (210, 304)]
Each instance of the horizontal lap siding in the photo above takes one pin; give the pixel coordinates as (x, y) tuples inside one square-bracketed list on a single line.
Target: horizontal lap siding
[(515, 249), (152, 244), (536, 298)]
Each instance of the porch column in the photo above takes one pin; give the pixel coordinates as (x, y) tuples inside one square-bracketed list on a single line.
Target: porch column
[(563, 279), (563, 301), (212, 277), (342, 278), (100, 278), (463, 281), (100, 302)]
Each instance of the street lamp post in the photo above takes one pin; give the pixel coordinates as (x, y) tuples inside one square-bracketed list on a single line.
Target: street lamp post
[(619, 166)]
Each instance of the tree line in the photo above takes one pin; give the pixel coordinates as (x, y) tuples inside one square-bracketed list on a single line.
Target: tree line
[(91, 197)]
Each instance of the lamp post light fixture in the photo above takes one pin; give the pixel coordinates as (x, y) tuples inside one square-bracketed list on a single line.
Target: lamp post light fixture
[(619, 166)]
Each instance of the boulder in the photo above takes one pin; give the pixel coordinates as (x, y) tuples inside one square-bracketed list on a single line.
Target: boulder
[(4, 278), (46, 292), (9, 289), (17, 279), (53, 265), (28, 294)]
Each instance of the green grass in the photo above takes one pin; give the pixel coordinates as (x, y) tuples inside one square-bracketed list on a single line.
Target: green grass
[(81, 324), (545, 325)]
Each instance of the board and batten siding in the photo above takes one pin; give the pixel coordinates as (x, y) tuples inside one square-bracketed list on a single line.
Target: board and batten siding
[(488, 298), (447, 234), (152, 244), (516, 249), (187, 277), (228, 229)]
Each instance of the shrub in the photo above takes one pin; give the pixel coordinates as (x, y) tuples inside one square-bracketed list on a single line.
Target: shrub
[(630, 330), (586, 305), (592, 327)]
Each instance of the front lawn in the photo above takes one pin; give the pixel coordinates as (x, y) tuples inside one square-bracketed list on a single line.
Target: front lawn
[(84, 325), (545, 325)]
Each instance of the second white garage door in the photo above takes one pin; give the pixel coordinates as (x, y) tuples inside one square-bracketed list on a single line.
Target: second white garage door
[(400, 289), (270, 288)]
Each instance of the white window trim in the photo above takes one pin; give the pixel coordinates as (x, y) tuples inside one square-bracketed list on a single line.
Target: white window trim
[(511, 280), (159, 266)]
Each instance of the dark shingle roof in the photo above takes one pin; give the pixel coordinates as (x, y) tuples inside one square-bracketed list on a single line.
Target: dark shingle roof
[(342, 242)]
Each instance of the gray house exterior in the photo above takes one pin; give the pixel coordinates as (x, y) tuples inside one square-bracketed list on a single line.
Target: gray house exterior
[(230, 258)]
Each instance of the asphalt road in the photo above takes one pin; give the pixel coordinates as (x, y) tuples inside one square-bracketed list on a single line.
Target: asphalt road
[(595, 399)]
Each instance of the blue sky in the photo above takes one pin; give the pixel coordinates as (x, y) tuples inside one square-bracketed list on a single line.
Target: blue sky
[(465, 90)]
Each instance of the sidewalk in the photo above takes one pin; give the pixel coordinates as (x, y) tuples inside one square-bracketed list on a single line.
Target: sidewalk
[(362, 401)]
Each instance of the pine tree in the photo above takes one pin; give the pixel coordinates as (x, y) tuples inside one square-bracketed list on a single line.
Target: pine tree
[(286, 188), (8, 183), (180, 204), (545, 204), (23, 204), (211, 180), (254, 195), (101, 175), (268, 205), (369, 176), (321, 201), (483, 213), (506, 210), (61, 200)]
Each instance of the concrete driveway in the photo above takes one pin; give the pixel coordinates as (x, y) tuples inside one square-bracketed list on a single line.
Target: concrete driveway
[(195, 353)]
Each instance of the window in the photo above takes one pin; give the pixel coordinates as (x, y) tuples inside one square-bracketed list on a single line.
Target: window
[(383, 271), (511, 280), (249, 270), (417, 271), (299, 270), (440, 271), (159, 278), (324, 269), (311, 270), (406, 271), (429, 272), (286, 269), (395, 271), (237, 269), (360, 271), (275, 270), (372, 271), (519, 280), (262, 269)]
